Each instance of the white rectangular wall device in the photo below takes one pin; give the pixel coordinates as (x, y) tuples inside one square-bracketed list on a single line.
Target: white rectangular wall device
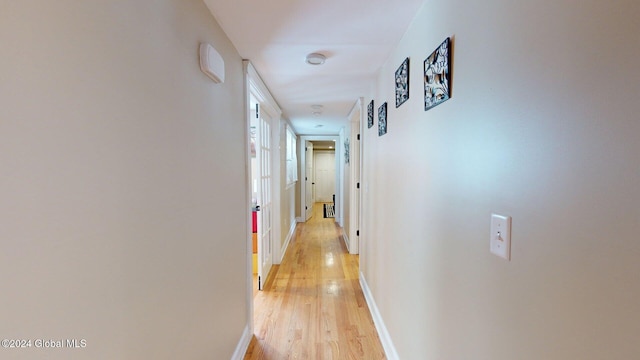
[(211, 63)]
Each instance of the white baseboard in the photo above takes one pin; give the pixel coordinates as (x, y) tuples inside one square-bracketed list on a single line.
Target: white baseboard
[(346, 241), (243, 344), (300, 219), (385, 338), (287, 240)]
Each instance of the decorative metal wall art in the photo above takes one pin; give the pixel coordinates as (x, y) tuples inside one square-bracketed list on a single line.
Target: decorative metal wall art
[(370, 115), (402, 83), (346, 151), (382, 119), (437, 77)]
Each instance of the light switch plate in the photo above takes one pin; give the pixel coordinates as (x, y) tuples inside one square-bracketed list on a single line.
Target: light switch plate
[(500, 243)]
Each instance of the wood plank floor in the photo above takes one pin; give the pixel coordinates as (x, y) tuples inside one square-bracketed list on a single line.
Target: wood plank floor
[(313, 307)]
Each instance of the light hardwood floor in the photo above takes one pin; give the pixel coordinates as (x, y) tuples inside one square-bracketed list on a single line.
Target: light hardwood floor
[(313, 307)]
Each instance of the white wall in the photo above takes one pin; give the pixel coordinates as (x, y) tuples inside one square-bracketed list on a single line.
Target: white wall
[(287, 195), (123, 181), (543, 126)]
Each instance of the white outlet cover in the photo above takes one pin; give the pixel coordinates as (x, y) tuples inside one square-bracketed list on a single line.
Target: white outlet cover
[(500, 240)]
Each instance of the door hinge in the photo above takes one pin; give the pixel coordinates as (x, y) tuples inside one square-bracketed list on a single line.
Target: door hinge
[(358, 136), (306, 208), (257, 111), (259, 283), (358, 186), (357, 232)]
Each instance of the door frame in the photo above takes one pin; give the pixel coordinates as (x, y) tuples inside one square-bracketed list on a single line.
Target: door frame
[(356, 122), (259, 91), (254, 87), (308, 183), (266, 199), (303, 170)]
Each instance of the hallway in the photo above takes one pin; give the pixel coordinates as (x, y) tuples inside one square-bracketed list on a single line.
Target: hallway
[(313, 307)]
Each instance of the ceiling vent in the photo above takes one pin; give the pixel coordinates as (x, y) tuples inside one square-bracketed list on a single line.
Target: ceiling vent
[(211, 63)]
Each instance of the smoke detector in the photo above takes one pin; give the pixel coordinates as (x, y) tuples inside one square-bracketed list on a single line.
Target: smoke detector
[(315, 59)]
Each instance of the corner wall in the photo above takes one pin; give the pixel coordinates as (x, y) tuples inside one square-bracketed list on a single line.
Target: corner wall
[(542, 126), (124, 208)]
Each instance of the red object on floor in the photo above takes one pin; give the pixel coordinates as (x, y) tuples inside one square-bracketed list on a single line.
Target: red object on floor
[(254, 217)]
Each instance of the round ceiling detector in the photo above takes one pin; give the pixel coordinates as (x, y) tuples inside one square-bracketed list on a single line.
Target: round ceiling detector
[(315, 59)]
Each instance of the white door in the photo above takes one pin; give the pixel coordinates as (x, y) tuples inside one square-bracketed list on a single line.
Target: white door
[(265, 237), (325, 175), (308, 180), (354, 236)]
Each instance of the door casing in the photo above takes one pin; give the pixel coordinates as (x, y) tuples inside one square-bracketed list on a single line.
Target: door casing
[(302, 157)]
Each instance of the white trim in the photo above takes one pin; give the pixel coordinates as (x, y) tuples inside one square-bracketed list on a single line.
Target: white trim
[(346, 240), (339, 209), (288, 240), (355, 172), (300, 219), (243, 344), (257, 88), (383, 333), (360, 170), (249, 236)]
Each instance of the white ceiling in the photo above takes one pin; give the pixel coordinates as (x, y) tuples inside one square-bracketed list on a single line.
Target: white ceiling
[(357, 36)]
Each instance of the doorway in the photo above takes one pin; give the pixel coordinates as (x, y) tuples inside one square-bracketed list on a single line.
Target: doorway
[(324, 173), (311, 191), (262, 191), (308, 180)]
